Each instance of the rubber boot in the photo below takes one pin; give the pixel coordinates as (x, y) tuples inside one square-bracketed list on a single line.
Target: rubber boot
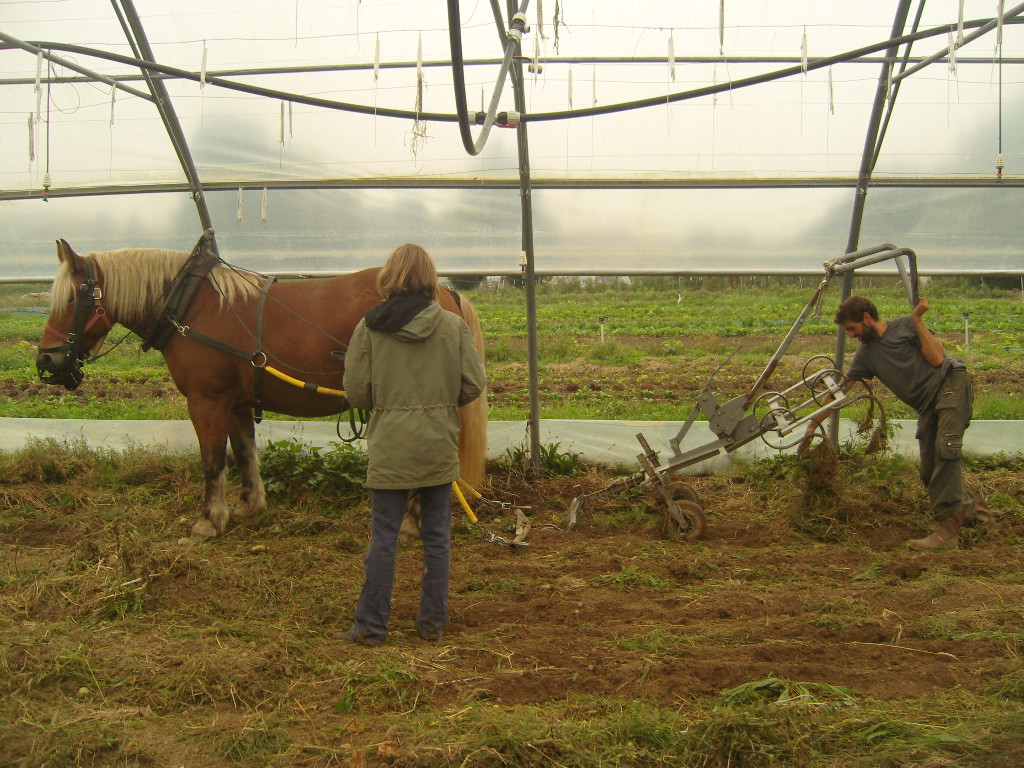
[(946, 536), (981, 516)]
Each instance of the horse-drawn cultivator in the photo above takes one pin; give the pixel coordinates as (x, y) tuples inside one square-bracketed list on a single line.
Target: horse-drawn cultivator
[(778, 417)]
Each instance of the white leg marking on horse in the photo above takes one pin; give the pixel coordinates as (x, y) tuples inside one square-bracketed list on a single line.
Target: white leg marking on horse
[(254, 497), (216, 515)]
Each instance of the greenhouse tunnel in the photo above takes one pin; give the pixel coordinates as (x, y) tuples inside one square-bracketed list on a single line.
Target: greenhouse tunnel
[(762, 140)]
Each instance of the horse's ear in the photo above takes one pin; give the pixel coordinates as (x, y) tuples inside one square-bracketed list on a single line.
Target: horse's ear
[(65, 253)]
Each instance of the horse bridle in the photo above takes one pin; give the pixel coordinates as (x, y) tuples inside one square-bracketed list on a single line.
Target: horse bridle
[(64, 362)]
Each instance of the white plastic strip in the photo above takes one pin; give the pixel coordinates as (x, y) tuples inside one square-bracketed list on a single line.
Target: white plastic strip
[(952, 53), (570, 87), (39, 80), (238, 206), (376, 59), (721, 26), (831, 94), (31, 139), (113, 98), (263, 207), (606, 442), (281, 138), (960, 26), (535, 65), (803, 52), (999, 24), (419, 77), (202, 68), (671, 57)]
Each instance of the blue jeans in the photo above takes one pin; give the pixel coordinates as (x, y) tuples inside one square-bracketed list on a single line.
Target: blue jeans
[(388, 508)]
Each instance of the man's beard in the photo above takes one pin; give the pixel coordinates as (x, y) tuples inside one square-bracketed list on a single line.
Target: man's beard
[(867, 334)]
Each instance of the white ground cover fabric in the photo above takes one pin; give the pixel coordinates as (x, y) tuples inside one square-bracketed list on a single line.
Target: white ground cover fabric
[(605, 442)]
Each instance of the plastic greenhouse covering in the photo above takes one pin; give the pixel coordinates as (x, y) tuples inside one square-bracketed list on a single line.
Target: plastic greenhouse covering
[(659, 135)]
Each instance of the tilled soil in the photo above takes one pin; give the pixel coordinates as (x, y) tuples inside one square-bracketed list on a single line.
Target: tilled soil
[(199, 638)]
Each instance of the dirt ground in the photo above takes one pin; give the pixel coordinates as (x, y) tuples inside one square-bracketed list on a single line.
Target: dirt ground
[(761, 630), (183, 649)]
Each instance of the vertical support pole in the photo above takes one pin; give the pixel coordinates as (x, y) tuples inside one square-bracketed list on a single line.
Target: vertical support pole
[(867, 161), (136, 34), (526, 201)]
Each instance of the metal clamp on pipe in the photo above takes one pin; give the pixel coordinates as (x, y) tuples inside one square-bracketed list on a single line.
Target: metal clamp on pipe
[(508, 119)]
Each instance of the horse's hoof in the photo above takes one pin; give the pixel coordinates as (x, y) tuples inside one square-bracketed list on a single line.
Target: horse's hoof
[(204, 529)]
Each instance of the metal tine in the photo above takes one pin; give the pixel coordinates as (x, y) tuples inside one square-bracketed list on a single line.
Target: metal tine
[(488, 535)]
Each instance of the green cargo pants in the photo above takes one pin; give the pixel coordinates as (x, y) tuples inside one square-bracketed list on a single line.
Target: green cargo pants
[(940, 435)]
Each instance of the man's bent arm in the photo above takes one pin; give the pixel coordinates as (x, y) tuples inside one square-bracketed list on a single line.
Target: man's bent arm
[(931, 347)]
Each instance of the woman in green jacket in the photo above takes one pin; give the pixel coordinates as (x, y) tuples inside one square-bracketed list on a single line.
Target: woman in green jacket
[(413, 363)]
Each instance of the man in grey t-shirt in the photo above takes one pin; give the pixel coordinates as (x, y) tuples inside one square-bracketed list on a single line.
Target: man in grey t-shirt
[(907, 358)]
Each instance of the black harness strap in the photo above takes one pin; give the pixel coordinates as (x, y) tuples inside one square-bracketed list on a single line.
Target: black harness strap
[(258, 369), (455, 295), (182, 291), (184, 330), (178, 299)]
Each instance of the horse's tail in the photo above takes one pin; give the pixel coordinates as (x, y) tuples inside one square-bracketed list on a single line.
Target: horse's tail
[(473, 435)]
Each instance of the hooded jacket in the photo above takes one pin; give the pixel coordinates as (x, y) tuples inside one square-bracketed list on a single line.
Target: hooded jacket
[(413, 374)]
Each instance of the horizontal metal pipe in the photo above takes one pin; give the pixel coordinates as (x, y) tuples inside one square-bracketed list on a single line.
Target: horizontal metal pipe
[(617, 272), (832, 182), (440, 63)]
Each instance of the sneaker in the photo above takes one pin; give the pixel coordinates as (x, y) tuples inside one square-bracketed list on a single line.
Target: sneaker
[(431, 636), (351, 636)]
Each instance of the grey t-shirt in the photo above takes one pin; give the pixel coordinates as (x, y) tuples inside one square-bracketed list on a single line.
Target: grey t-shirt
[(897, 361)]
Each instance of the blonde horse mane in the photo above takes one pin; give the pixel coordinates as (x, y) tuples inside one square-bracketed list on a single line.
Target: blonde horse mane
[(134, 279)]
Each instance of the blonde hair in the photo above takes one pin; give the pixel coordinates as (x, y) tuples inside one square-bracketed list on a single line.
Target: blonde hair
[(409, 269)]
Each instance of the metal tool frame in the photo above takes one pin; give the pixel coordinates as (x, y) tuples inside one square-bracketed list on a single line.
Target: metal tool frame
[(735, 422)]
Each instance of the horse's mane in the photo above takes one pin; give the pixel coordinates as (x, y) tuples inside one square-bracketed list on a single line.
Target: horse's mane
[(134, 279)]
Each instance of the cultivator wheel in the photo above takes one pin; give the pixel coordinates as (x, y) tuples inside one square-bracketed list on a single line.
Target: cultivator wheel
[(686, 520), (683, 491)]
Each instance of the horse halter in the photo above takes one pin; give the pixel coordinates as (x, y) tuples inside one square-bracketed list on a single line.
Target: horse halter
[(62, 365)]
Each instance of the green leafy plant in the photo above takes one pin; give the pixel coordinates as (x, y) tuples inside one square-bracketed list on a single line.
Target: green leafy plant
[(288, 466), (552, 460), (559, 462)]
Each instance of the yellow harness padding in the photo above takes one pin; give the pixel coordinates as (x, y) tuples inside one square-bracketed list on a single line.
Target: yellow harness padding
[(304, 384), (472, 491), (462, 500)]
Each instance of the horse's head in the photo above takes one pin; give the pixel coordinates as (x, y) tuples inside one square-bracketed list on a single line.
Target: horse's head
[(78, 321)]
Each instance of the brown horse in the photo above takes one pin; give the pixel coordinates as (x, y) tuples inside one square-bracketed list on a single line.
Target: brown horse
[(300, 328)]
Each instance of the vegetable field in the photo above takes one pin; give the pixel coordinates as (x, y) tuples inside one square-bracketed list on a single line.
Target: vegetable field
[(661, 341)]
